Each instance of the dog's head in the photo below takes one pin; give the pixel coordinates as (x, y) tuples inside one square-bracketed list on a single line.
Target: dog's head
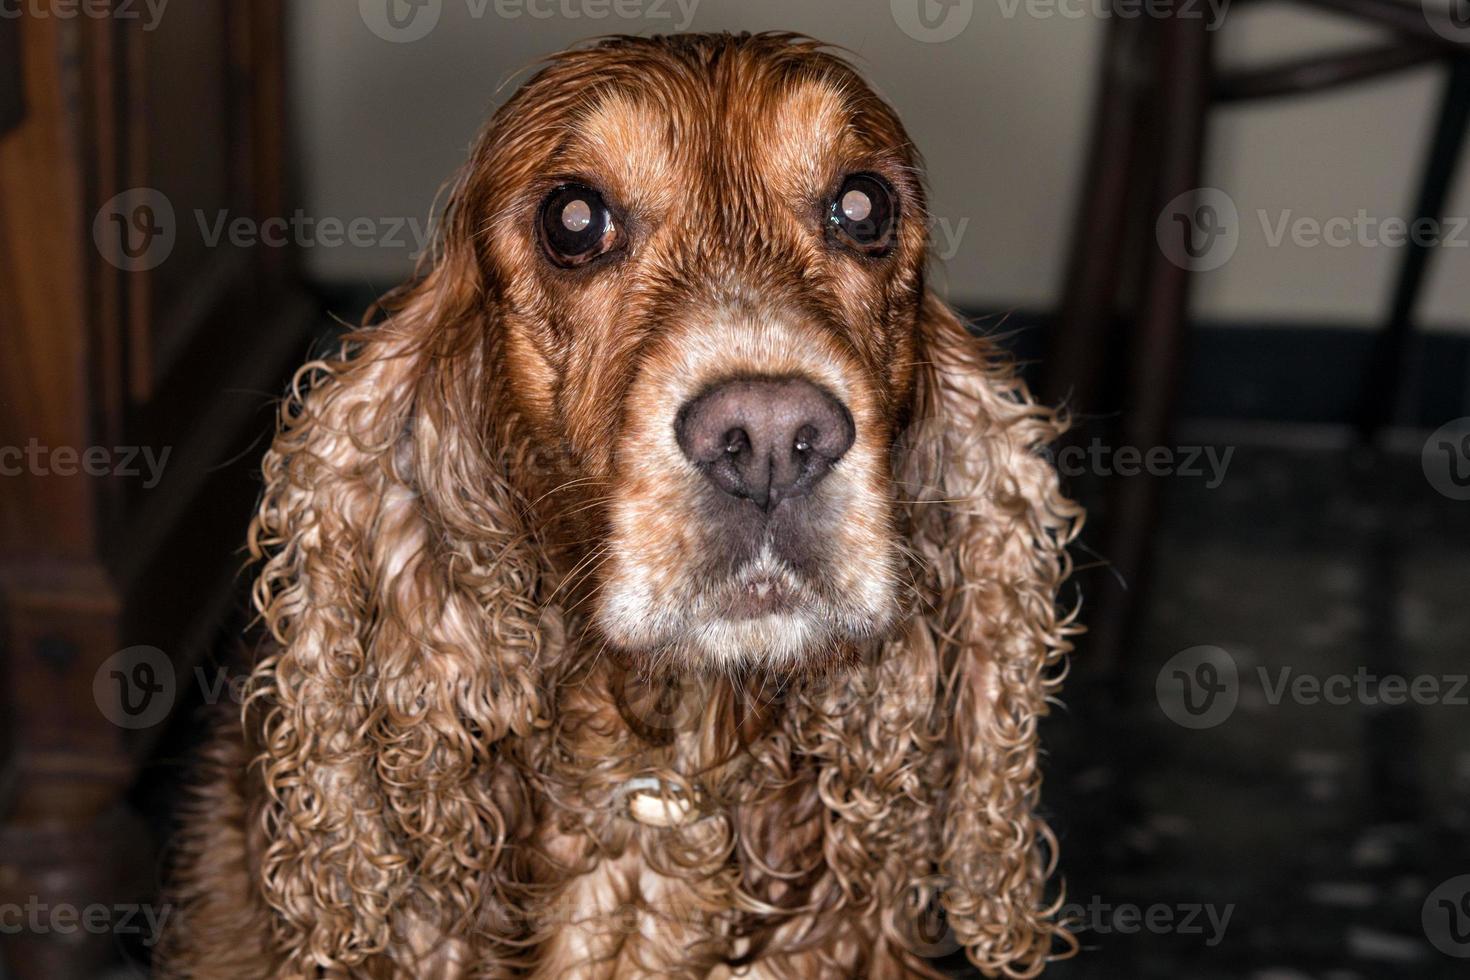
[(707, 259)]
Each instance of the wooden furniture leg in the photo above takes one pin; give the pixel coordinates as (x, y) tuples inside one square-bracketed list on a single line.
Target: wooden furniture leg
[(1075, 362), (1155, 354), (1384, 382)]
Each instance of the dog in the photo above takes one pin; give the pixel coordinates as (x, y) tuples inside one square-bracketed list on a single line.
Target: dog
[(663, 583)]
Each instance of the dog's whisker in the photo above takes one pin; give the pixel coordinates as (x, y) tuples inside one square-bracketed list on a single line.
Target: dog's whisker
[(579, 481), (596, 555)]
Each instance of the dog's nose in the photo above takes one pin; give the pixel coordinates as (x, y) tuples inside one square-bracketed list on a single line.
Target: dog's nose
[(764, 439)]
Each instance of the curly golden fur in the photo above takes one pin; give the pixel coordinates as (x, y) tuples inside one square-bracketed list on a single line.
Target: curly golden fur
[(483, 565)]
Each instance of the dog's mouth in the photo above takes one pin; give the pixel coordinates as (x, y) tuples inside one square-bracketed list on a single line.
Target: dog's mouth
[(760, 597), (763, 588), (765, 610)]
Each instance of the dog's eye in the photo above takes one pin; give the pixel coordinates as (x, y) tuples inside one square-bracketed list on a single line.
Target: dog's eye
[(864, 214), (576, 225)]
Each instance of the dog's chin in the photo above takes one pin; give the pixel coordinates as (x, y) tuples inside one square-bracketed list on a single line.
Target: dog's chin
[(784, 640), (746, 625)]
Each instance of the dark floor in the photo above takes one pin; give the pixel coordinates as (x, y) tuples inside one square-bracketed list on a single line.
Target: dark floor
[(1326, 827)]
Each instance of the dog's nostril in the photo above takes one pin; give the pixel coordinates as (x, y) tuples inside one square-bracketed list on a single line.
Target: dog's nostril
[(765, 439)]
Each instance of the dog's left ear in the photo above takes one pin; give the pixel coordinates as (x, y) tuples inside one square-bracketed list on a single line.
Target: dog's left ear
[(991, 527)]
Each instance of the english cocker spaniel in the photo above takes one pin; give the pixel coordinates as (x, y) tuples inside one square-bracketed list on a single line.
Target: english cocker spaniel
[(664, 585)]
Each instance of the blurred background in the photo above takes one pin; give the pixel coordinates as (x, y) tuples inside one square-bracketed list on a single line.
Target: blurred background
[(1233, 237)]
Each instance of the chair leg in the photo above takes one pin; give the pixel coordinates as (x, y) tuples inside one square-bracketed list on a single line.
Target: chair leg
[(1090, 289), (1384, 382), (1157, 342), (1396, 775)]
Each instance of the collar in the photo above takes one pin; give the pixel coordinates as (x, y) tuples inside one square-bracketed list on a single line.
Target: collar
[(656, 802)]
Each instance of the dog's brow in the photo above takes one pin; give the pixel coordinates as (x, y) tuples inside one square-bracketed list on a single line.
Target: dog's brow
[(639, 145), (809, 128), (626, 141)]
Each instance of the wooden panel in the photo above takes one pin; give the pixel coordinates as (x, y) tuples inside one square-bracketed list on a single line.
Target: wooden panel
[(111, 356), (190, 314), (43, 372), (12, 93), (183, 131)]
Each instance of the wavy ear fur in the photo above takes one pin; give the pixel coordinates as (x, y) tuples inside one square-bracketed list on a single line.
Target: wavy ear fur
[(990, 528), (397, 581)]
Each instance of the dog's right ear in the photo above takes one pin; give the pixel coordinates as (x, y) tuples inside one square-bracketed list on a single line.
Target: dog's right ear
[(398, 581)]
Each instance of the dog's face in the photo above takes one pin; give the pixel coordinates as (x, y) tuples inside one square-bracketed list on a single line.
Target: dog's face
[(708, 266)]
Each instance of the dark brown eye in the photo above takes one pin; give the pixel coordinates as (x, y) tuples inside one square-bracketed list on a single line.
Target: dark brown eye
[(576, 226), (864, 214)]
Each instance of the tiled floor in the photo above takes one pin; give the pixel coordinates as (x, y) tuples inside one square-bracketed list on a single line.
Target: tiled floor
[(1324, 823)]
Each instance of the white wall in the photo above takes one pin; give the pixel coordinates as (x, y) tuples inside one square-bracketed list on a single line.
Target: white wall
[(1000, 112)]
